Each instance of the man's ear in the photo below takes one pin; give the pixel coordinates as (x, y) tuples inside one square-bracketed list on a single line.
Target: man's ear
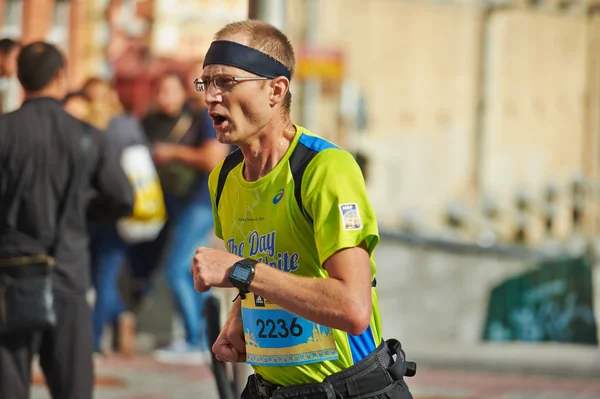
[(279, 88), (61, 82)]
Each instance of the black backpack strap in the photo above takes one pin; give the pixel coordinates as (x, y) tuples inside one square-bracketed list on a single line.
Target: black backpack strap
[(299, 160), (230, 162)]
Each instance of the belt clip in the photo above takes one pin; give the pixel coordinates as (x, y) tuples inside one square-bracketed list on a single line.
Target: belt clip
[(408, 369), (264, 391)]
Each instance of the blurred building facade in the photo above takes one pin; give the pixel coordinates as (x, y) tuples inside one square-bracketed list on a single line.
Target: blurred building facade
[(454, 104), (473, 102), (479, 120)]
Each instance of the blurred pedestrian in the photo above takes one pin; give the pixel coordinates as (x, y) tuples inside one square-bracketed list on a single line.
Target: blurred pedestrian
[(185, 150), (110, 240), (103, 100), (51, 162), (10, 93)]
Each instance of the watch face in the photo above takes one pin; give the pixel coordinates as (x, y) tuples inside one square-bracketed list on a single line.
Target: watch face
[(240, 273)]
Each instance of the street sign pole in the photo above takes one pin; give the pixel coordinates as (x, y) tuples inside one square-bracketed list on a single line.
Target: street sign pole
[(271, 11)]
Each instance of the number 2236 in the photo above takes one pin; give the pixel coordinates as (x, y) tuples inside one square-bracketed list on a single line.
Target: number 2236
[(278, 328)]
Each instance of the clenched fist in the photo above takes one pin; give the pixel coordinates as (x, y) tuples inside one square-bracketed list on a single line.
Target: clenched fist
[(211, 268), (230, 346)]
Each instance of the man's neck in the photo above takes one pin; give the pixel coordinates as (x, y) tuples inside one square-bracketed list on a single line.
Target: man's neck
[(42, 94), (266, 149)]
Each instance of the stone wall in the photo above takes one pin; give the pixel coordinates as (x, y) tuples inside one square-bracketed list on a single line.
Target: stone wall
[(427, 293), (464, 103), (430, 294)]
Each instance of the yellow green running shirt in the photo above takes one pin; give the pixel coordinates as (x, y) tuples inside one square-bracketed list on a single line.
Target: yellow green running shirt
[(262, 220)]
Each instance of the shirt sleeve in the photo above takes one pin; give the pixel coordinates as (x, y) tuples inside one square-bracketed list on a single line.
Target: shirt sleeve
[(125, 131), (115, 193), (335, 197)]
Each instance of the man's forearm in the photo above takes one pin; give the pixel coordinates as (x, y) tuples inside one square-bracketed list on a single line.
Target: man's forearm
[(192, 157), (236, 311), (321, 300), (203, 158)]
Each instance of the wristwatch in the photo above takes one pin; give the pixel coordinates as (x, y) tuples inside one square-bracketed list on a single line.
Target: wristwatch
[(242, 273)]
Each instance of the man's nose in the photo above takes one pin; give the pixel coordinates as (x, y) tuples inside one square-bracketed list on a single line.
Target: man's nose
[(211, 95)]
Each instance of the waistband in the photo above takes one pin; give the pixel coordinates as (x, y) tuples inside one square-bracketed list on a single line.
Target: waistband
[(373, 375)]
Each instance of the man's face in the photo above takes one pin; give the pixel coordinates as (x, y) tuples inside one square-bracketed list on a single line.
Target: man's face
[(9, 62), (78, 107), (97, 92), (170, 95), (241, 109)]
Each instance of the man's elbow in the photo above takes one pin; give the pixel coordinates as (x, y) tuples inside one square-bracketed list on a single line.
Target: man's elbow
[(217, 156), (126, 203), (212, 161), (215, 152), (359, 318), (106, 208), (122, 209), (126, 209)]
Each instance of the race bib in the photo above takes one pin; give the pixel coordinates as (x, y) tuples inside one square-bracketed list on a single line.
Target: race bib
[(276, 337)]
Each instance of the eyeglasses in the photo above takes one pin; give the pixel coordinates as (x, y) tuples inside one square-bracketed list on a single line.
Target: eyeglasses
[(222, 82)]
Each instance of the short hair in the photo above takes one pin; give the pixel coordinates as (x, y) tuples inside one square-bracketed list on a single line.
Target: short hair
[(268, 39), (7, 45), (38, 63)]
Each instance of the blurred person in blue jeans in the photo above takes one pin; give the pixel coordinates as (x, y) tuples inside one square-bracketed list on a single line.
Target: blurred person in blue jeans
[(185, 150), (104, 110)]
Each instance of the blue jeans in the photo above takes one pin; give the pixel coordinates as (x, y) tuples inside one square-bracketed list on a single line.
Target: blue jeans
[(191, 223), (108, 253)]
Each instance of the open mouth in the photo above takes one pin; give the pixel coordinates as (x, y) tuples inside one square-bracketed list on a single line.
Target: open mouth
[(219, 121)]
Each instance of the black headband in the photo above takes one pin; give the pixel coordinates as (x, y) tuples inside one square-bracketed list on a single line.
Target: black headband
[(224, 52)]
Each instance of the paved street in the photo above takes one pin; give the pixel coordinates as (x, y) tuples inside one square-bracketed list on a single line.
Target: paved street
[(143, 378), (406, 316)]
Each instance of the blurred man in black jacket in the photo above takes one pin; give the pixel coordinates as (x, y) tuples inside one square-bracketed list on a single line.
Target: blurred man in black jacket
[(40, 147)]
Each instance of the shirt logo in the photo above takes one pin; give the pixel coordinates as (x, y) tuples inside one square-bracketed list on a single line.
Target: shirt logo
[(278, 197), (350, 217), (259, 301)]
